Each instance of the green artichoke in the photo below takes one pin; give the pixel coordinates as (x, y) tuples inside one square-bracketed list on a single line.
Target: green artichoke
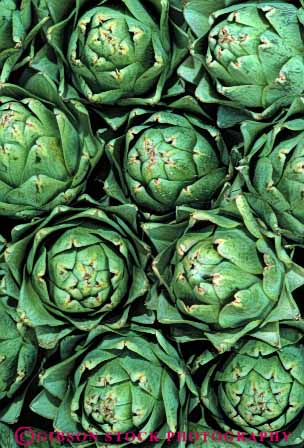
[(17, 31), (257, 388), (225, 275), (73, 269), (118, 383), (272, 169), (166, 160), (122, 52), (18, 355), (253, 58), (46, 153)]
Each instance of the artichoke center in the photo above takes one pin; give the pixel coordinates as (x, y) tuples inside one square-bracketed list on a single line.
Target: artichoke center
[(112, 50), (263, 392), (85, 278), (165, 163), (118, 400)]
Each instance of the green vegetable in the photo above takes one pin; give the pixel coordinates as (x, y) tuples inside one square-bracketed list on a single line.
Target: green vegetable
[(258, 387), (122, 52), (120, 382), (18, 355), (152, 222), (252, 57), (7, 437), (273, 170), (75, 268), (166, 160), (47, 152), (224, 274), (17, 31)]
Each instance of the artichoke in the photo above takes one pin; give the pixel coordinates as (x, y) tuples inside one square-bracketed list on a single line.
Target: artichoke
[(117, 52), (117, 383), (18, 355), (73, 269), (253, 58), (272, 170), (17, 30), (166, 160), (46, 153), (225, 274), (257, 388)]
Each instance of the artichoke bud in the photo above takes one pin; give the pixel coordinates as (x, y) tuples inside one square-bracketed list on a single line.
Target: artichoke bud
[(114, 43), (257, 387), (255, 55), (276, 181), (36, 173), (219, 276), (81, 272), (169, 165)]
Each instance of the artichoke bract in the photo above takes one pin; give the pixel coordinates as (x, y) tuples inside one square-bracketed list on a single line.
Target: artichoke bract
[(18, 355), (17, 31), (167, 160), (46, 153), (254, 57), (7, 437), (75, 268), (226, 275), (117, 383), (256, 388), (273, 171), (117, 52)]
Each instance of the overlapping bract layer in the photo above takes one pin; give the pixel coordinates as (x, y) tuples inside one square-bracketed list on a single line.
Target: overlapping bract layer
[(46, 154), (258, 387), (17, 30), (247, 56), (256, 54), (272, 168), (74, 268), (168, 160), (123, 382), (81, 298), (224, 273), (18, 355), (118, 52)]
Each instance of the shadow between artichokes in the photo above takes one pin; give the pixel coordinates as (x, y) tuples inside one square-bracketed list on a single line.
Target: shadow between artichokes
[(120, 52), (166, 159), (223, 275), (257, 387), (118, 382), (72, 270), (47, 149), (247, 57)]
